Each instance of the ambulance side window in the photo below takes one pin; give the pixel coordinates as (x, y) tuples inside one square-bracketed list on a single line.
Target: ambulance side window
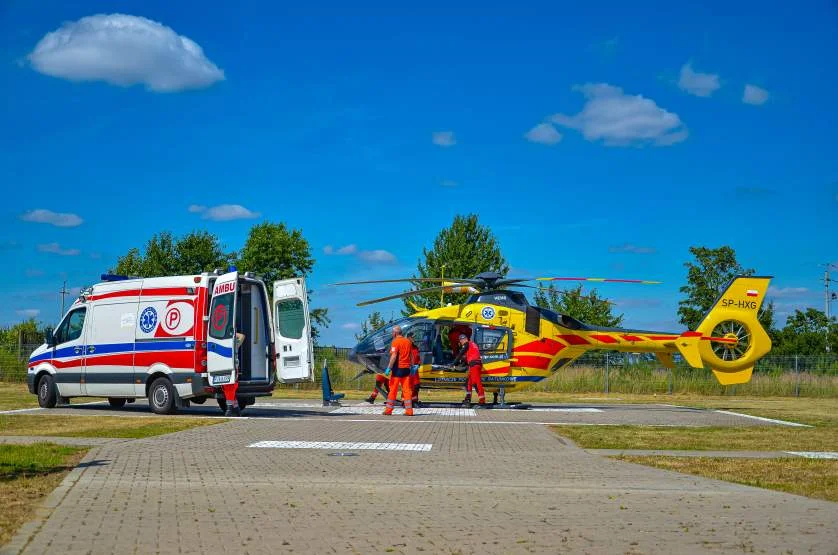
[(221, 317), (72, 326)]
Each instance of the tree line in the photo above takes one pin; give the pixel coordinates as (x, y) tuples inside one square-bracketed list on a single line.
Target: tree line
[(463, 249)]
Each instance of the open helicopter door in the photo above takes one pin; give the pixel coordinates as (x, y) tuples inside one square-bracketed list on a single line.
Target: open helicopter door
[(293, 331), (221, 352)]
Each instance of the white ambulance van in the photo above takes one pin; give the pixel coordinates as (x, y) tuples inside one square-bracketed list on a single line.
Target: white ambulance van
[(171, 340)]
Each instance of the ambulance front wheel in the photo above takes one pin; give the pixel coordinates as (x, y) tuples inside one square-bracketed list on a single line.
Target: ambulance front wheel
[(161, 396), (47, 394)]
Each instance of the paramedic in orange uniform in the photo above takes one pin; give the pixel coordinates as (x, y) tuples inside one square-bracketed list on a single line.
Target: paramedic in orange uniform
[(380, 380), (471, 354), (231, 389), (415, 361), (398, 368)]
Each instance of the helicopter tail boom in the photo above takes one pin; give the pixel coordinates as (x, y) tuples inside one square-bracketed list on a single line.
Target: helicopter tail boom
[(730, 338)]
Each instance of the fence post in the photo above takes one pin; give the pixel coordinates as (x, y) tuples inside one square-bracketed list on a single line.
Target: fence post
[(670, 381), (606, 372), (797, 382)]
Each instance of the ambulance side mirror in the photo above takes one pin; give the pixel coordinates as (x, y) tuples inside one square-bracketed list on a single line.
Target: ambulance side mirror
[(49, 338)]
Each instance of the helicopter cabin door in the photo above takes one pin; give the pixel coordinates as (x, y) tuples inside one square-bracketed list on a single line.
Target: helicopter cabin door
[(221, 335), (293, 331)]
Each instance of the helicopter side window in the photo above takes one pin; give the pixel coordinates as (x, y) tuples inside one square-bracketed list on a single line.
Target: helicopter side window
[(445, 346), (493, 343)]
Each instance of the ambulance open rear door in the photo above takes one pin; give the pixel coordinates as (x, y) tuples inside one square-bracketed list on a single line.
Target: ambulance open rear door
[(221, 333), (293, 331)]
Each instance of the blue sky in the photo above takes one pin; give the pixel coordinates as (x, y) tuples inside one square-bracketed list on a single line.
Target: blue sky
[(601, 140)]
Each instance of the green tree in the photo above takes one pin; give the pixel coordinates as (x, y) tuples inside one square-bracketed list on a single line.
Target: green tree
[(166, 255), (26, 332), (275, 252), (589, 308), (706, 279), (807, 332), (465, 249), (373, 322)]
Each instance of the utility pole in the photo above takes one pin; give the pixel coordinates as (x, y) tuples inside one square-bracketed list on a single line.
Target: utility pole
[(827, 297), (64, 292), (442, 291)]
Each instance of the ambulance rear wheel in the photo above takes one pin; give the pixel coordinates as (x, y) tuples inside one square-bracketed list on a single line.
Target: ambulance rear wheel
[(116, 403), (161, 396), (47, 394)]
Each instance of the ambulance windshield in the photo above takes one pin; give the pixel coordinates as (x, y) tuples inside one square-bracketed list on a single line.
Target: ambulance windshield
[(221, 321)]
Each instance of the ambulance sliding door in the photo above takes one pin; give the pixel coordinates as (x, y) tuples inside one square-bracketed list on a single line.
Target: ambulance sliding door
[(221, 348), (293, 331)]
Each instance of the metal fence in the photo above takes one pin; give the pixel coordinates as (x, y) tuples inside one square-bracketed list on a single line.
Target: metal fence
[(596, 372)]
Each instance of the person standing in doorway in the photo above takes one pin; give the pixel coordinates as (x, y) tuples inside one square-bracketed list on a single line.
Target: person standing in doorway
[(231, 389), (471, 354)]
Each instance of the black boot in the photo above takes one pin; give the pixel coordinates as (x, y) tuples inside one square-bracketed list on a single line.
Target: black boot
[(467, 403), (237, 411), (229, 411), (370, 400)]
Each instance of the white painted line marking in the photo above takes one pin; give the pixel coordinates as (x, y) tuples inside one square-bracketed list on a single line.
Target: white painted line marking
[(763, 419), (20, 410), (429, 411), (287, 405), (343, 445), (815, 454)]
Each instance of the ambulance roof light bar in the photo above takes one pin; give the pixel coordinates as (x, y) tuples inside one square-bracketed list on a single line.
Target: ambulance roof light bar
[(116, 277)]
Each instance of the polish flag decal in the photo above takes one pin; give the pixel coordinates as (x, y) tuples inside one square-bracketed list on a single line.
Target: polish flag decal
[(752, 292)]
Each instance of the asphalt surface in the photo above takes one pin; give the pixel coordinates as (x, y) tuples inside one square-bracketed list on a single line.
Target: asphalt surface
[(447, 480)]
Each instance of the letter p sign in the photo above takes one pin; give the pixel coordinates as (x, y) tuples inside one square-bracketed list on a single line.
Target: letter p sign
[(172, 319)]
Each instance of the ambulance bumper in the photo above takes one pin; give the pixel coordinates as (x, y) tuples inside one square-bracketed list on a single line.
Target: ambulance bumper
[(30, 382)]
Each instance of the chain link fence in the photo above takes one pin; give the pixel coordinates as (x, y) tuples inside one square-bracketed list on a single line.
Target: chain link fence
[(595, 372)]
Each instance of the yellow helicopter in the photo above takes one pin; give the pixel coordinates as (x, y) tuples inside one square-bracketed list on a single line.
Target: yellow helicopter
[(521, 344)]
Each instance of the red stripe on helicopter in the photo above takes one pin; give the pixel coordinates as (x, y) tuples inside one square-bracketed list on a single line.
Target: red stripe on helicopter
[(495, 371), (574, 339), (605, 338), (720, 339), (540, 363), (633, 338), (545, 346), (663, 337), (691, 334)]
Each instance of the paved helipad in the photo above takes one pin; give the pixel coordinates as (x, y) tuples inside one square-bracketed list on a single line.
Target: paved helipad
[(489, 482)]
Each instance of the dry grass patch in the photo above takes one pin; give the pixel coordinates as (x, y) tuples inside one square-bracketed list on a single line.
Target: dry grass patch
[(97, 426), (28, 473), (16, 396), (749, 438), (810, 477)]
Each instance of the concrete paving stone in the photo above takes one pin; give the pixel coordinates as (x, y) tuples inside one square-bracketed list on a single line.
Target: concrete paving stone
[(496, 482)]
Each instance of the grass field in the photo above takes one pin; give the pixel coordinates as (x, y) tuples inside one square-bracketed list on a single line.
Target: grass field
[(809, 477), (28, 473), (97, 426)]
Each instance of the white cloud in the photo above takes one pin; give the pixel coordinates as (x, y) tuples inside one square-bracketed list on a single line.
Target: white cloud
[(784, 292), (225, 212), (59, 219), (443, 138), (697, 83), (543, 133), (196, 208), (55, 248), (28, 312), (124, 50), (342, 251), (619, 119), (350, 326), (754, 95), (377, 255), (632, 249)]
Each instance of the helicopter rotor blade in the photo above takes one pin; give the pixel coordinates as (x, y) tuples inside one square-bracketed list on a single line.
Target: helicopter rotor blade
[(405, 294), (608, 280), (414, 280)]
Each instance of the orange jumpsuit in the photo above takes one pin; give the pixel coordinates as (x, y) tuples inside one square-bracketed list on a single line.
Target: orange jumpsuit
[(380, 380), (415, 360), (400, 376), (475, 366)]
